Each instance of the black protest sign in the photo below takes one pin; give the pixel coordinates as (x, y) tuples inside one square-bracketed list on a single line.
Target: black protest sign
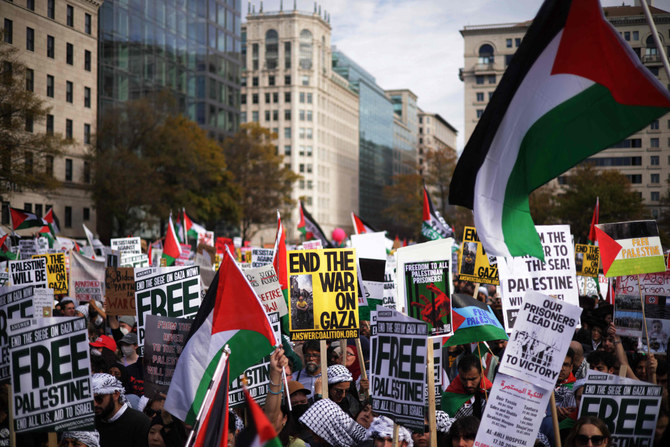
[(164, 340), (16, 306), (51, 376)]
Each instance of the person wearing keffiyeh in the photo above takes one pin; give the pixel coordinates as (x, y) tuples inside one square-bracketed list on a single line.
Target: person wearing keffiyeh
[(381, 433), (80, 438), (332, 427)]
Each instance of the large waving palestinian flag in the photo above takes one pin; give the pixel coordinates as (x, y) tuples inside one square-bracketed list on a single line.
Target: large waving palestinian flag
[(230, 314), (311, 229), (22, 219), (473, 321), (573, 88)]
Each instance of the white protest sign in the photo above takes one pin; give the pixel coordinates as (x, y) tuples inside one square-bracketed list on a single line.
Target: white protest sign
[(541, 337), (556, 276), (166, 291), (261, 256), (266, 285), (16, 306), (126, 245), (371, 256), (398, 367), (86, 269), (28, 248), (51, 358), (389, 296), (29, 272), (87, 290), (134, 260)]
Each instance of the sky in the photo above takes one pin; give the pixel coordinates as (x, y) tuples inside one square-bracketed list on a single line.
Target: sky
[(416, 44)]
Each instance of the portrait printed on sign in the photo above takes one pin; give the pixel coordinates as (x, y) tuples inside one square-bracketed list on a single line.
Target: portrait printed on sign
[(302, 302), (469, 258)]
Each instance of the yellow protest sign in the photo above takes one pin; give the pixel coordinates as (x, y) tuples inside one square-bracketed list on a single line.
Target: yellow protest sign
[(323, 294), (474, 265), (56, 272), (587, 258)]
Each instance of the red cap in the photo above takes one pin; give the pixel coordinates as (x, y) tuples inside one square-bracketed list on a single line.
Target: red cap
[(104, 341)]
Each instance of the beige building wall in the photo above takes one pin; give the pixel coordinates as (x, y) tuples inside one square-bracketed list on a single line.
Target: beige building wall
[(644, 156), (72, 203), (435, 133), (315, 113)]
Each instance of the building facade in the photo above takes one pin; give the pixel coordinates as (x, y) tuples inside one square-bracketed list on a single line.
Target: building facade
[(190, 49), (57, 42), (644, 157), (405, 130), (289, 86), (435, 134)]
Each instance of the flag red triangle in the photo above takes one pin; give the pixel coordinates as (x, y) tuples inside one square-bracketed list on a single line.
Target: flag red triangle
[(609, 248)]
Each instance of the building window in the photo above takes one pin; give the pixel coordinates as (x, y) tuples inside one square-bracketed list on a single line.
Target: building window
[(309, 115), (87, 60), (28, 163), (302, 115), (492, 79), (87, 23), (254, 56), (30, 80), (655, 196), (635, 178), (38, 210), (87, 134), (51, 47), (271, 80), (254, 98), (28, 207), (30, 39), (287, 56), (68, 217), (50, 86), (9, 31), (655, 178), (508, 59), (302, 97), (51, 9), (254, 116), (87, 97), (87, 214), (275, 97), (636, 35), (68, 91), (517, 42), (68, 169), (480, 112), (479, 79), (49, 166), (275, 115), (287, 114), (30, 4), (486, 54), (267, 115), (69, 54), (50, 124), (287, 150), (68, 128), (287, 80), (29, 123), (70, 15), (287, 132), (271, 49), (305, 80), (305, 49), (654, 125), (243, 99), (655, 160), (87, 172), (267, 98), (653, 142), (309, 98), (480, 96), (254, 81), (287, 97), (508, 43), (626, 35)]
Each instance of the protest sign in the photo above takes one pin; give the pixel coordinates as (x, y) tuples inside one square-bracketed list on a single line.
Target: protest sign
[(56, 272), (266, 285), (630, 248), (120, 291), (29, 272), (166, 291), (185, 256), (16, 306), (323, 294), (134, 260), (628, 407), (86, 269), (131, 245), (389, 295), (513, 413), (261, 256), (43, 302), (28, 248), (165, 338), (312, 245), (371, 256), (541, 337), (587, 260), (4, 277), (87, 290), (476, 265), (206, 238), (398, 368), (427, 290), (50, 368), (555, 276)]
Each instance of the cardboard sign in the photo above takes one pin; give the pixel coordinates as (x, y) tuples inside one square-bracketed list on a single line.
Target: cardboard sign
[(556, 276), (29, 272), (261, 256), (628, 407), (166, 291), (164, 340), (398, 368), (476, 265), (630, 248), (56, 272), (323, 294), (120, 291), (587, 260), (427, 291), (87, 290), (16, 306), (541, 337), (130, 245), (51, 358)]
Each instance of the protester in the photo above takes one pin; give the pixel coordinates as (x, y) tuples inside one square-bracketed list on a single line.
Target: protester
[(365, 415), (117, 423), (331, 426), (68, 305), (589, 430), (579, 364), (80, 439), (166, 431), (105, 347), (341, 389), (132, 362), (312, 371), (466, 394), (463, 432), (602, 361), (381, 433)]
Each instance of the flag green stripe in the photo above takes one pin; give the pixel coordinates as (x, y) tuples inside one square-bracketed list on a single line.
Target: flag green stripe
[(169, 259), (574, 130), (475, 334), (636, 266), (451, 402)]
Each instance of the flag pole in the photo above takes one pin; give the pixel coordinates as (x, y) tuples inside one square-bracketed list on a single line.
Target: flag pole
[(361, 362), (644, 317), (430, 373), (657, 40), (209, 395)]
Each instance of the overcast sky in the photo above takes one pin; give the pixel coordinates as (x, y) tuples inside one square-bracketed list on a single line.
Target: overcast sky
[(416, 44)]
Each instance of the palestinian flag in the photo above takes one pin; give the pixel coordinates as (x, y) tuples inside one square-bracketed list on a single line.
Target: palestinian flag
[(434, 225), (630, 248), (22, 220), (594, 222), (473, 321), (455, 395), (310, 229), (52, 225), (212, 429), (4, 249), (259, 432), (230, 314), (192, 228), (573, 88), (361, 226), (171, 247), (279, 259)]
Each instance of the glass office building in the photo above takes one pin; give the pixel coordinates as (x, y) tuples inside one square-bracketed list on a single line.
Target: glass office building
[(375, 135), (190, 48)]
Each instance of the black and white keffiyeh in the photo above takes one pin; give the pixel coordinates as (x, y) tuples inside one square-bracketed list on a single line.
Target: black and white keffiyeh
[(88, 438), (332, 424), (338, 374), (382, 427), (103, 383), (443, 421)]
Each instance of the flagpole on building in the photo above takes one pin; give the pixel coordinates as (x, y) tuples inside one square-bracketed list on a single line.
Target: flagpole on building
[(657, 40)]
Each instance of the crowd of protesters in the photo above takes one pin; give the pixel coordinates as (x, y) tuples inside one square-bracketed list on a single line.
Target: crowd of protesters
[(334, 408)]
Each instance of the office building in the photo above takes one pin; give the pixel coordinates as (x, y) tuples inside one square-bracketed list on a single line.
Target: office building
[(435, 134), (405, 130)]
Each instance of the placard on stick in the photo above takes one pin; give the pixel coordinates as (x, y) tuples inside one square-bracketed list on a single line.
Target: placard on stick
[(120, 291)]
